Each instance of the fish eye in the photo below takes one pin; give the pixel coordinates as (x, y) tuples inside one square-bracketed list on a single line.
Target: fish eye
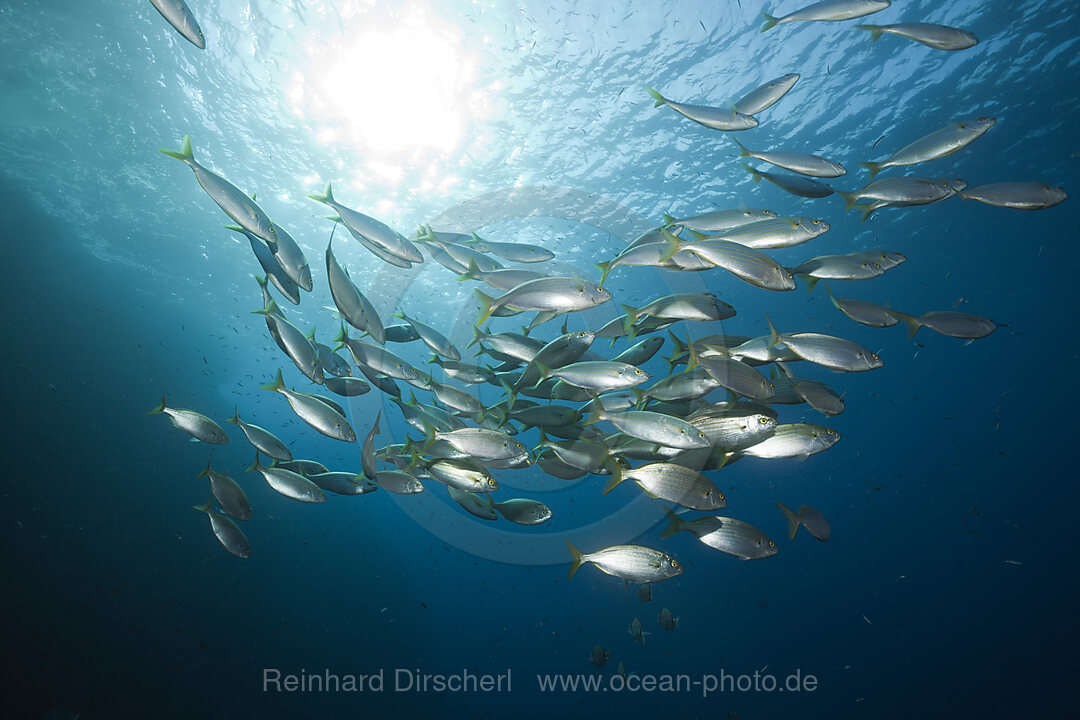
[(875, 356), (830, 432), (763, 421)]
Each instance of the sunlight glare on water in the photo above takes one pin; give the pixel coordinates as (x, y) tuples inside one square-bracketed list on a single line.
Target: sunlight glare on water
[(398, 87)]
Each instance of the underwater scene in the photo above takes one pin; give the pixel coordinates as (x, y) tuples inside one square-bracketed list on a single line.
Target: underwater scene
[(525, 359)]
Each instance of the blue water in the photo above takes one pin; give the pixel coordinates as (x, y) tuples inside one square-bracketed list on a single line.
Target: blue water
[(947, 589)]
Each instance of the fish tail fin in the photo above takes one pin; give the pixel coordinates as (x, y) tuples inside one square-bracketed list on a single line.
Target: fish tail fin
[(326, 197), (678, 348), (811, 281), (832, 298), (271, 308), (472, 273), (639, 398), (754, 174), (616, 476), (692, 360), (485, 306), (774, 337), (184, 153), (865, 210), (875, 31), (160, 407), (910, 321), (675, 524), (605, 270), (205, 507), (576, 558), (671, 247), (595, 412), (206, 472), (429, 434), (235, 419), (792, 520), (277, 384), (850, 198), (873, 167), (511, 393), (544, 370), (478, 335), (743, 152), (262, 280), (631, 315), (658, 99), (668, 220), (770, 21), (255, 465)]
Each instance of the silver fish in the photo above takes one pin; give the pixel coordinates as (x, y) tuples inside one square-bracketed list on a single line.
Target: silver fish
[(480, 443), (274, 272), (298, 346), (796, 162), (863, 312), (683, 306), (641, 352), (597, 376), (193, 423), (947, 140), (183, 21), (673, 483), (828, 10), (710, 117), (737, 376), (241, 208), (398, 482), (342, 483), (1017, 195), (714, 221), (262, 439), (629, 562), (231, 496), (939, 37), (828, 351), (354, 307), (316, 413), (228, 533), (654, 427), (949, 322), (462, 475), (904, 191), (504, 279), (794, 184), (346, 386), (810, 518), (288, 483), (725, 534), (795, 440), (512, 251), (367, 450), (776, 232), (432, 337), (374, 230), (732, 429), (554, 294), (767, 95), (464, 372), (743, 262), (474, 504), (523, 511)]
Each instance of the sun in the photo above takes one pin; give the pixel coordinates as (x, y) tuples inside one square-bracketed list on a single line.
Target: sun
[(393, 87)]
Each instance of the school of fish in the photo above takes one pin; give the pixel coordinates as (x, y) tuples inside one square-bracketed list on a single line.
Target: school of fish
[(582, 411)]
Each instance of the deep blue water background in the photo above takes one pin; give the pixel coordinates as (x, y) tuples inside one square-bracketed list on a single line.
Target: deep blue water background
[(955, 457)]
